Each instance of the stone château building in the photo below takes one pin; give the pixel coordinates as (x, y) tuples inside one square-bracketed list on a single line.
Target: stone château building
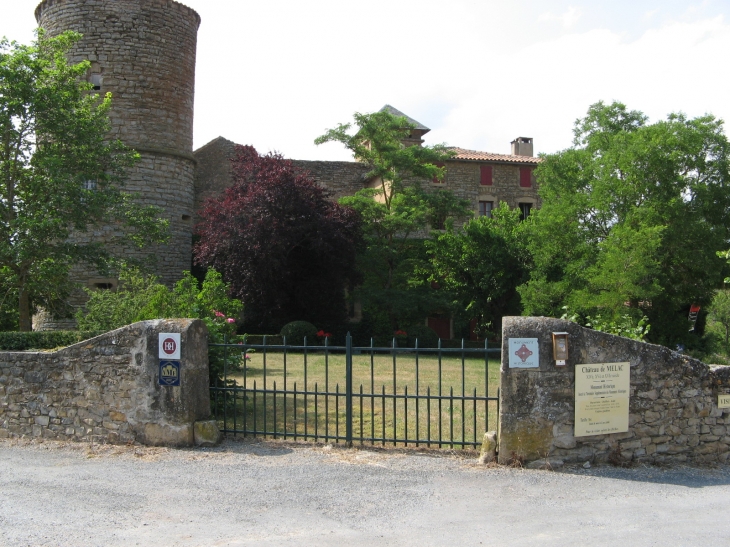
[(143, 52), (484, 179)]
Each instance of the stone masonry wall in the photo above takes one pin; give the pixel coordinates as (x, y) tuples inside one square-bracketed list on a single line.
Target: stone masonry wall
[(463, 178), (143, 52), (673, 413), (343, 178), (106, 389), (213, 171)]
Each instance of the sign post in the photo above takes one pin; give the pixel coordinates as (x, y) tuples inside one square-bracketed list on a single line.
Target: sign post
[(169, 355)]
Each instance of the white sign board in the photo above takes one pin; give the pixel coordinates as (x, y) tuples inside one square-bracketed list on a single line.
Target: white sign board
[(524, 353), (602, 398), (170, 345), (723, 401)]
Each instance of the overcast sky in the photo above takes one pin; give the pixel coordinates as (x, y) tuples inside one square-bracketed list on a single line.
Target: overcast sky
[(278, 73)]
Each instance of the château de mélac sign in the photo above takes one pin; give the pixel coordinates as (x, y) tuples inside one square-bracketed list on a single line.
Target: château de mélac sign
[(601, 398)]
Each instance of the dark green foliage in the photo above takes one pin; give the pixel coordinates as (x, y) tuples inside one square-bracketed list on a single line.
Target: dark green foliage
[(480, 267), (40, 340), (396, 216), (426, 336), (297, 330), (632, 218)]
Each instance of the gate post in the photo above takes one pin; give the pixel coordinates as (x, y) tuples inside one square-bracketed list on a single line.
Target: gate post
[(348, 388)]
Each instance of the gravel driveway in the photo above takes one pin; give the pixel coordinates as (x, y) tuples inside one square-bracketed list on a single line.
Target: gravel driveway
[(267, 493)]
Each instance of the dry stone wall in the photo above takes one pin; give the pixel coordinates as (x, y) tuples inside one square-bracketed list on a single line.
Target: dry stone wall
[(143, 52), (673, 411), (463, 178), (106, 389)]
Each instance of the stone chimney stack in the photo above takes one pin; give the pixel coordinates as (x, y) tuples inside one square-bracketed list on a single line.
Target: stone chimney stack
[(522, 146)]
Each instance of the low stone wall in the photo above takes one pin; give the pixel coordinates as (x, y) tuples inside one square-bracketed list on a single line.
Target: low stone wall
[(106, 389), (673, 412)]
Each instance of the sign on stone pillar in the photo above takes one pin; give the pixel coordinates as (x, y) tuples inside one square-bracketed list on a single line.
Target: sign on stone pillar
[(169, 345), (169, 355), (602, 398), (524, 353)]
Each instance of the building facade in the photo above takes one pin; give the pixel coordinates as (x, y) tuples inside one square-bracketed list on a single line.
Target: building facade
[(143, 52)]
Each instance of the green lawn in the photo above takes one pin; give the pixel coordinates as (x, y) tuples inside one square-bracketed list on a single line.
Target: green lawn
[(382, 416)]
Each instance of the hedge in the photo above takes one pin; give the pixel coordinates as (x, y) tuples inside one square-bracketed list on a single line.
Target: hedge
[(39, 340)]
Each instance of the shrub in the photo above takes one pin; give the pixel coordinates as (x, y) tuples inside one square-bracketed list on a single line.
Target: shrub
[(297, 330), (22, 341), (141, 297), (427, 337)]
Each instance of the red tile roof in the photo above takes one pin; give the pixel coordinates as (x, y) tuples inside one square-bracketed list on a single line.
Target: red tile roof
[(474, 155)]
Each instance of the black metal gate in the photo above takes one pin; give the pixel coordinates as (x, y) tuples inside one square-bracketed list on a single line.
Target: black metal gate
[(436, 397)]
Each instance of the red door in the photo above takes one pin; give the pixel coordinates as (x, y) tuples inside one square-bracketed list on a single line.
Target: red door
[(442, 326)]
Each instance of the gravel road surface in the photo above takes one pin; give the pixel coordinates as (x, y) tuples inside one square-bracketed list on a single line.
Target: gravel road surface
[(267, 493)]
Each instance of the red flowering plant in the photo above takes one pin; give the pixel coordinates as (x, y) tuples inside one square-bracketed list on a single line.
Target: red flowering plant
[(401, 336), (322, 336)]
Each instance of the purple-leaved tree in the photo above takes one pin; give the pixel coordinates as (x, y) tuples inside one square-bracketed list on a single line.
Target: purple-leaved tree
[(286, 249)]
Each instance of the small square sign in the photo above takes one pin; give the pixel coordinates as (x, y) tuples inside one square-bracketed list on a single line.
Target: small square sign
[(169, 345), (524, 353), (723, 401), (169, 373)]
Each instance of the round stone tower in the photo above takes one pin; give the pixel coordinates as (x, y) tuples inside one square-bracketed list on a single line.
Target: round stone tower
[(143, 52)]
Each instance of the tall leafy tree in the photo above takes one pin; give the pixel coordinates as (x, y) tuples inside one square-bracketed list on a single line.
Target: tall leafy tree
[(481, 265), (397, 213), (287, 251), (720, 313), (60, 178), (632, 218)]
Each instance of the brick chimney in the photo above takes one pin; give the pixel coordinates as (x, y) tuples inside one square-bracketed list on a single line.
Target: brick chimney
[(522, 146)]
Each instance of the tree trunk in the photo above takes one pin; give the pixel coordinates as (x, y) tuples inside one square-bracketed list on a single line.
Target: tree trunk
[(24, 319)]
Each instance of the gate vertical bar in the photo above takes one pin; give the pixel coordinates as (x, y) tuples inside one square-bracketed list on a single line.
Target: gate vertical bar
[(348, 388)]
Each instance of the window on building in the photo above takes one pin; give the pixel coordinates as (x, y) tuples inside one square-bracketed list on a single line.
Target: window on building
[(104, 284), (485, 175), (526, 177), (485, 208), (525, 209), (96, 81), (435, 179)]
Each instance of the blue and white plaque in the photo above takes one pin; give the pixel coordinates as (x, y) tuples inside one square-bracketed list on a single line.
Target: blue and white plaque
[(524, 353)]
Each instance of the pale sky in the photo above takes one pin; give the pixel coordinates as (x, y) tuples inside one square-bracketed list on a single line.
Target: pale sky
[(277, 73)]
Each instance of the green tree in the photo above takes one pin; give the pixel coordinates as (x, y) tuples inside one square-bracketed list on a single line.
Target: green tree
[(481, 266), (141, 297), (631, 220), (720, 313), (397, 213), (59, 175)]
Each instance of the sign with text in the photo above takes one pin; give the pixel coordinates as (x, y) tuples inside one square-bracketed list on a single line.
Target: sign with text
[(524, 353), (602, 398), (723, 401), (169, 345), (169, 373)]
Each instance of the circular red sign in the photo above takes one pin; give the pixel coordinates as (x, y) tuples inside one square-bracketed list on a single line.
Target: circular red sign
[(169, 346)]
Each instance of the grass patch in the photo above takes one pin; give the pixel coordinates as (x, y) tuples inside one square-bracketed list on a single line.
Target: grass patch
[(296, 397)]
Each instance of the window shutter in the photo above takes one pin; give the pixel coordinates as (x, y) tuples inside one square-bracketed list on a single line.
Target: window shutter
[(485, 175), (526, 177)]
